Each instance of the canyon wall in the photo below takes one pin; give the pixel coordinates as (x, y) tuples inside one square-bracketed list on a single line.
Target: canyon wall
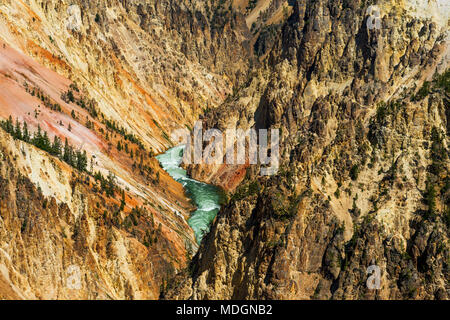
[(363, 114), (363, 182), (112, 79)]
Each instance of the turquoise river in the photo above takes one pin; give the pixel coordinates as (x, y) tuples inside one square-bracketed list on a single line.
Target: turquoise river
[(207, 198)]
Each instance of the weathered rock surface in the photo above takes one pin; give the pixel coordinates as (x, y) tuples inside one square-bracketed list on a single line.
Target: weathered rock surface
[(363, 115), (114, 78), (364, 163)]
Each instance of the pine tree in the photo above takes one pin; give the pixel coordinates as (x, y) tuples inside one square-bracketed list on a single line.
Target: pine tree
[(67, 153), (9, 125), (122, 202), (56, 147), (18, 130), (110, 184), (70, 96), (26, 133), (81, 162), (46, 145), (37, 138), (72, 156)]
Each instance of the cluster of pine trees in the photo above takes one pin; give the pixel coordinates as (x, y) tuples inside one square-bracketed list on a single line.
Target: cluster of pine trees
[(86, 104), (113, 126), (43, 97), (107, 184), (41, 140)]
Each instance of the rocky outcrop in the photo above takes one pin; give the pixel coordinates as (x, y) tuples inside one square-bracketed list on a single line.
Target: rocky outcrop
[(356, 191), (114, 79), (83, 248), (151, 66)]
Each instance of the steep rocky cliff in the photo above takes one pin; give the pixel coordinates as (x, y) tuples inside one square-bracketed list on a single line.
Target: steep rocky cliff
[(152, 65), (114, 254), (364, 174), (112, 79)]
